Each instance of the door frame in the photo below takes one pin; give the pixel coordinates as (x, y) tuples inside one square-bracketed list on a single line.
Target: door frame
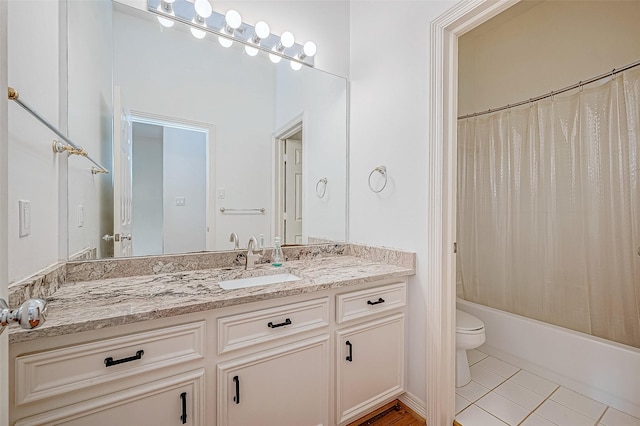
[(284, 132), (209, 130), (441, 211)]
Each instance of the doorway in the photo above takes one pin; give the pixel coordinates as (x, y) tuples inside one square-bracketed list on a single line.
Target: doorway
[(289, 192), (170, 187)]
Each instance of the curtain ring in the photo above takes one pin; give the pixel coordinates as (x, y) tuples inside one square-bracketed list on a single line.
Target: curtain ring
[(324, 187), (383, 171)]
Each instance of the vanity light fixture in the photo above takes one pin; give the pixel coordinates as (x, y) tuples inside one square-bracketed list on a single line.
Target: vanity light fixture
[(166, 8), (202, 19), (203, 10), (295, 65)]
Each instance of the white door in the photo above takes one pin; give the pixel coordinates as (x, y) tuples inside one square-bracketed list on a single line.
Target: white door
[(4, 212), (122, 171), (293, 192)]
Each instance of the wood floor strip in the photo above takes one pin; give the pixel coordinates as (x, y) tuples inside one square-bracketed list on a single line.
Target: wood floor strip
[(394, 413)]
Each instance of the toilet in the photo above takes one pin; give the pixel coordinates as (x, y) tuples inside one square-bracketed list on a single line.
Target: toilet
[(469, 335)]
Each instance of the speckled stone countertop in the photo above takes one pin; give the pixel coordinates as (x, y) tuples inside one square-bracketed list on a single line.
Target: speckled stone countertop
[(106, 302)]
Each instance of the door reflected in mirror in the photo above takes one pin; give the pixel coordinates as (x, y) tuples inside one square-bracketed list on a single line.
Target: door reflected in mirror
[(256, 179)]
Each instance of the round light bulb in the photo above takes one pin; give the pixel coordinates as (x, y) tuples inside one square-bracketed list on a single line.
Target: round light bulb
[(233, 18), (287, 39), (167, 23), (199, 34), (224, 42), (262, 29), (203, 8), (296, 66), (251, 51), (274, 58), (309, 48)]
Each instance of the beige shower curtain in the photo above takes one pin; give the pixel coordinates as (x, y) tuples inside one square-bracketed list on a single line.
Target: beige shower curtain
[(549, 210)]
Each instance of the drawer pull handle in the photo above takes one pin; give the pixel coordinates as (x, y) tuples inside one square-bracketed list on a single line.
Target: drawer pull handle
[(282, 324), (380, 300), (183, 417), (236, 398), (350, 356), (109, 361)]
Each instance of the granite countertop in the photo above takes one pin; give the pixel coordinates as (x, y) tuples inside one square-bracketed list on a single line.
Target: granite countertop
[(95, 304)]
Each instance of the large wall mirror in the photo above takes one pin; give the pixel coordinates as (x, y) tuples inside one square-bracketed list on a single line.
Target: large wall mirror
[(202, 141)]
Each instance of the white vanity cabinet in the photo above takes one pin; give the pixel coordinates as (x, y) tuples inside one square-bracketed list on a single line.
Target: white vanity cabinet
[(274, 383), (370, 357), (151, 377)]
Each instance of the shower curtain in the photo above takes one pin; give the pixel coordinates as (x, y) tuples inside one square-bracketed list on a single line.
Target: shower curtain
[(549, 210)]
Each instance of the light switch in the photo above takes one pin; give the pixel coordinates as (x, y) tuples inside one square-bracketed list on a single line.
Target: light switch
[(180, 201), (80, 216), (221, 193), (25, 217)]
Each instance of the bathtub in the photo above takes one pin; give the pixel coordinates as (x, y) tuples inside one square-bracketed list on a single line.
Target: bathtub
[(606, 371)]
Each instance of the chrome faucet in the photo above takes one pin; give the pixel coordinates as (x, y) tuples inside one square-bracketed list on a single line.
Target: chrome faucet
[(233, 238), (251, 257)]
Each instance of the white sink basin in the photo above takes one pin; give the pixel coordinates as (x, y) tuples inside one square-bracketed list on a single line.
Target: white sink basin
[(255, 281)]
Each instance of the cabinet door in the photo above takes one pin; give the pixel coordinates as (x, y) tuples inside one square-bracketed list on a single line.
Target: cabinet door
[(370, 365), (287, 386), (172, 401)]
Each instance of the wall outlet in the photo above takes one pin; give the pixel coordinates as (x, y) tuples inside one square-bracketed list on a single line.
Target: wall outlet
[(180, 201), (221, 193), (24, 208)]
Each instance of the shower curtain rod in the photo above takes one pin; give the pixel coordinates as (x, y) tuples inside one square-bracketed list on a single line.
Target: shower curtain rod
[(554, 92)]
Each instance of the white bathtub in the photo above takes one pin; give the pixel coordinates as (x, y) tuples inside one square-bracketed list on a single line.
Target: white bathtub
[(603, 370)]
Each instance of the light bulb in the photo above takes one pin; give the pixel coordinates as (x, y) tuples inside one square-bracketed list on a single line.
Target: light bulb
[(199, 34), (274, 58), (225, 42), (287, 39), (262, 29), (167, 23), (203, 8), (251, 51), (296, 66), (309, 48), (233, 19)]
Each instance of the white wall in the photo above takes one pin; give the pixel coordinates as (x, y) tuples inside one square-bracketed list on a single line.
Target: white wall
[(90, 112), (322, 100), (147, 209), (534, 48), (184, 175), (389, 114), (33, 62)]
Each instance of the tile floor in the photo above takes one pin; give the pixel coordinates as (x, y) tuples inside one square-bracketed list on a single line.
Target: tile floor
[(501, 394)]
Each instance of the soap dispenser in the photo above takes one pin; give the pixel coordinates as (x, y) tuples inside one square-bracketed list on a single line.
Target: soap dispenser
[(278, 257)]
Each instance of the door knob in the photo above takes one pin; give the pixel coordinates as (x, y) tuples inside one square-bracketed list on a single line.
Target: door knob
[(29, 315)]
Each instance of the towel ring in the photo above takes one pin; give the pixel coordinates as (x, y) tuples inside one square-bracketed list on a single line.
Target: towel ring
[(383, 171), (324, 187)]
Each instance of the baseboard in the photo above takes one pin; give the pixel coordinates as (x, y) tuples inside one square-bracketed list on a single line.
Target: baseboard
[(414, 403)]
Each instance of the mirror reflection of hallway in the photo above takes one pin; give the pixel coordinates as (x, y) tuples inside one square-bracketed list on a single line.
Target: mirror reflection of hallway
[(293, 189), (169, 189)]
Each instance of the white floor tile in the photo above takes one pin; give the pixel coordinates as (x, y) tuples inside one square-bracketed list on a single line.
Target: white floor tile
[(532, 382), (474, 355), (472, 391), (536, 420), (461, 403), (498, 367), (475, 416), (580, 403), (504, 409), (563, 416), (613, 417), (485, 377), (520, 395)]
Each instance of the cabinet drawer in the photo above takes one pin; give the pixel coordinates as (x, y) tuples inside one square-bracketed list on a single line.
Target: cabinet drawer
[(359, 304), (59, 371), (239, 331)]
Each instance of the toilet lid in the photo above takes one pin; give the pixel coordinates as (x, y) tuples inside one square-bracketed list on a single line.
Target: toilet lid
[(467, 322)]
